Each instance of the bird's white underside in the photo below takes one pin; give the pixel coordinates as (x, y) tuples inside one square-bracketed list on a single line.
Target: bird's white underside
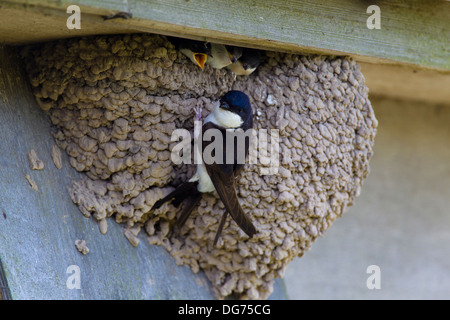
[(239, 69), (223, 118)]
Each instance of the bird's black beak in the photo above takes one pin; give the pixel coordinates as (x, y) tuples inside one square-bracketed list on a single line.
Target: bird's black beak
[(224, 105)]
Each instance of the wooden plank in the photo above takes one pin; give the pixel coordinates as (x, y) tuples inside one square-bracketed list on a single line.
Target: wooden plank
[(412, 33), (38, 227), (37, 21), (21, 24)]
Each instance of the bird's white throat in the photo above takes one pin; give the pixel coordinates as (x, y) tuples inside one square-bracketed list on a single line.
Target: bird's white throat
[(239, 69), (224, 118)]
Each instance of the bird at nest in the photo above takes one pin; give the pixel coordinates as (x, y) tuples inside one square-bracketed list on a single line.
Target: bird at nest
[(233, 112), (201, 53), (246, 63)]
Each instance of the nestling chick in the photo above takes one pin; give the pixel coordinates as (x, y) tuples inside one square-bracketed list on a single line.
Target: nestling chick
[(247, 63), (222, 55), (196, 51)]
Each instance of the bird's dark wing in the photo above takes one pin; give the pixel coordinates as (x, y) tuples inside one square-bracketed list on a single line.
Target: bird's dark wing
[(188, 194), (189, 204), (220, 228), (223, 179), (185, 190)]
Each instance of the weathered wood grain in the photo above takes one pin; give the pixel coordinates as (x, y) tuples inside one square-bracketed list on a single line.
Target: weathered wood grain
[(412, 33), (38, 227), (409, 58)]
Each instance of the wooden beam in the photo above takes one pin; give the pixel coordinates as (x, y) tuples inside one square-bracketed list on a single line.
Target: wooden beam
[(407, 59), (24, 24), (413, 33)]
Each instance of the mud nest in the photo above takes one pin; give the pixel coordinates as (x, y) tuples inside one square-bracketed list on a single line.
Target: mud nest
[(114, 102)]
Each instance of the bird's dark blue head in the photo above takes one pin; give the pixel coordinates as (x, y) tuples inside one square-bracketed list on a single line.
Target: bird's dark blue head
[(237, 102)]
